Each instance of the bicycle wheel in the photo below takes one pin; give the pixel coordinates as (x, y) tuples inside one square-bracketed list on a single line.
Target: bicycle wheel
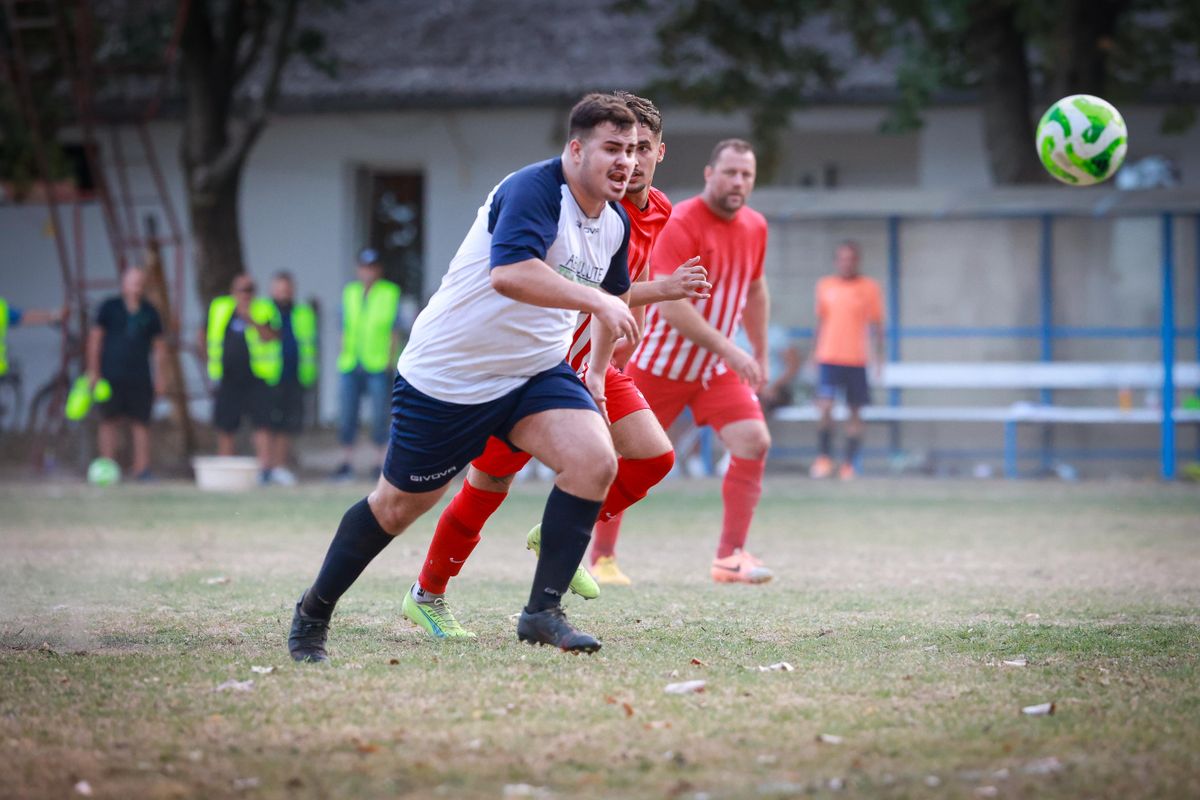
[(10, 403), (53, 443)]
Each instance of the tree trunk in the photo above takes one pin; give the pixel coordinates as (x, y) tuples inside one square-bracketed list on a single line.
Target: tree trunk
[(216, 234), (997, 47), (1084, 38), (158, 294)]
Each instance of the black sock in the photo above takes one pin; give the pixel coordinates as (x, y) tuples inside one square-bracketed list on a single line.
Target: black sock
[(825, 441), (566, 530), (852, 445), (358, 540)]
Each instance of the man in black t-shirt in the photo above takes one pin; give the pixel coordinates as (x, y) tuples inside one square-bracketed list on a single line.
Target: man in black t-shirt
[(127, 330)]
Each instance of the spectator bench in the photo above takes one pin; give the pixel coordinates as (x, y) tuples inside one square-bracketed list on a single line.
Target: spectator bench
[(1017, 376)]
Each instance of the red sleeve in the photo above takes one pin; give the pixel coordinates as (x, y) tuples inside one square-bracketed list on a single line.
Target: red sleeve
[(674, 246)]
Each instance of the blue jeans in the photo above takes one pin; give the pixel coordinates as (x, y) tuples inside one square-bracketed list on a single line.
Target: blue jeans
[(378, 388)]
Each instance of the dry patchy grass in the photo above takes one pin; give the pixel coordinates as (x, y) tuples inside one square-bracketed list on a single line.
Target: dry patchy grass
[(897, 603)]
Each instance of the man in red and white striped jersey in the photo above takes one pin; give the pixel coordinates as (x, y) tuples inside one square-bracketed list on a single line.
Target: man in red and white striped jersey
[(645, 452), (687, 356)]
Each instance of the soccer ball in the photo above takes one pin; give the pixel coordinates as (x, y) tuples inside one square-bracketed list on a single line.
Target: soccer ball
[(103, 472), (1081, 140)]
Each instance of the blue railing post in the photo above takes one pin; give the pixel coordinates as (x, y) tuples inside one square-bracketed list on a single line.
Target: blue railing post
[(1046, 281), (1168, 347), (893, 311)]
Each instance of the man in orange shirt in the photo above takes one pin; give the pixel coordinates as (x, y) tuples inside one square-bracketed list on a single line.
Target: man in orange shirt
[(849, 311)]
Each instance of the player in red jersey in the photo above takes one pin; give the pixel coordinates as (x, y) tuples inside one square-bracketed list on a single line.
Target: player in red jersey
[(645, 452), (688, 357)]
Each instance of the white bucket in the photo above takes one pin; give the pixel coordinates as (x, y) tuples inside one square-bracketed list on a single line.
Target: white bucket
[(226, 473)]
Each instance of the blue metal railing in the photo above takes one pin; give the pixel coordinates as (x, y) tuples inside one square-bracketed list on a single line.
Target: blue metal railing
[(1046, 332)]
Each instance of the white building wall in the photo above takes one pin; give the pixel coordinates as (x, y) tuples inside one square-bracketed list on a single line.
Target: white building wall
[(301, 211)]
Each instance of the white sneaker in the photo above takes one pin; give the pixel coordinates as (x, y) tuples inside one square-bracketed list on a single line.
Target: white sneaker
[(282, 476)]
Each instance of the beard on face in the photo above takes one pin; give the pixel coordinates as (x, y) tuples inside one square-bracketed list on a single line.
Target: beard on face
[(731, 202)]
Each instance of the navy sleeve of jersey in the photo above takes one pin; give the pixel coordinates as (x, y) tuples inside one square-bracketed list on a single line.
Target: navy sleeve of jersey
[(616, 280), (14, 316), (523, 219)]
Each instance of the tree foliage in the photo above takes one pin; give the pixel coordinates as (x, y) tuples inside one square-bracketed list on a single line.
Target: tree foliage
[(233, 56), (770, 57)]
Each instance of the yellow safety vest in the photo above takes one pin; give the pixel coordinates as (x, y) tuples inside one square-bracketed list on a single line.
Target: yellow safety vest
[(367, 327), (304, 327), (3, 336), (266, 357)]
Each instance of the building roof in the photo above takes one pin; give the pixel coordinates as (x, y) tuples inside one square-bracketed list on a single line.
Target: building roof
[(403, 53)]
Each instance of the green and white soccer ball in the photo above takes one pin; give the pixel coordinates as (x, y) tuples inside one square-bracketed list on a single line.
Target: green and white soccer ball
[(1082, 140), (103, 472)]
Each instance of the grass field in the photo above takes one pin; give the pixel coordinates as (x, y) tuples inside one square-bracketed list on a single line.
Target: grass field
[(897, 603)]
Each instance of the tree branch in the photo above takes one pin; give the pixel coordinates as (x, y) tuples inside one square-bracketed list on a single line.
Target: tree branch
[(250, 56), (232, 28), (240, 142)]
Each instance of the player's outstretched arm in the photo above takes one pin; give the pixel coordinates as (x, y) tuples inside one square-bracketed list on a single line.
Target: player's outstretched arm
[(534, 282), (95, 343), (686, 320), (603, 344), (43, 316), (688, 282), (755, 317)]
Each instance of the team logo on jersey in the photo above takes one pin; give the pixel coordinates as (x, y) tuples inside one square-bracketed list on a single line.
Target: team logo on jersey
[(580, 271)]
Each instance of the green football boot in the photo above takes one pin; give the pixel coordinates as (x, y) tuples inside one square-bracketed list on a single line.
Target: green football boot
[(435, 617), (583, 584)]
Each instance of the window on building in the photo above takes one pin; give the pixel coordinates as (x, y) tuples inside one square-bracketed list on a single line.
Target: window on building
[(396, 215)]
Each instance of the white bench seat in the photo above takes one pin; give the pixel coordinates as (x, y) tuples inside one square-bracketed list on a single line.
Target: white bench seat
[(1016, 376)]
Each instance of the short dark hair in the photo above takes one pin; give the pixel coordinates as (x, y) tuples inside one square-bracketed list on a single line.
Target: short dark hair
[(738, 146), (646, 112), (851, 243), (594, 110), (285, 275)]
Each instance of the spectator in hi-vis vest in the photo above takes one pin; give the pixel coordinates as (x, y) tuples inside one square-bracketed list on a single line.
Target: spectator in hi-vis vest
[(367, 361), (13, 317), (244, 361), (298, 351)]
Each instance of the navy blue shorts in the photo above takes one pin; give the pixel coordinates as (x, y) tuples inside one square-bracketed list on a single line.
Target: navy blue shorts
[(834, 379), (432, 441)]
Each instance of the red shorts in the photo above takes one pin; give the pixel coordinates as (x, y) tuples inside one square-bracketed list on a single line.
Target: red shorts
[(622, 398), (716, 402)]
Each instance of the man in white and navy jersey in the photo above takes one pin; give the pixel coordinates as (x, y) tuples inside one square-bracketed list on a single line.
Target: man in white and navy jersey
[(645, 452), (487, 358)]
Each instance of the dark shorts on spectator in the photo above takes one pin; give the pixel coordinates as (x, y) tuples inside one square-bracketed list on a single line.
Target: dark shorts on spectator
[(131, 399), (287, 407), (850, 382), (236, 399)]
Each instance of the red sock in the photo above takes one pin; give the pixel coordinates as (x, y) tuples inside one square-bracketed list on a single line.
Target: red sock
[(604, 537), (740, 491), (456, 535), (635, 477)]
